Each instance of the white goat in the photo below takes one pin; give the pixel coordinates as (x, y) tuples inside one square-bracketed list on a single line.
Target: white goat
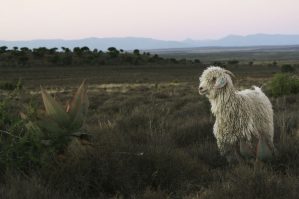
[(244, 119)]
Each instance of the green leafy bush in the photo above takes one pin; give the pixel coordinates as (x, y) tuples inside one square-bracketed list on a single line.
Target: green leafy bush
[(19, 147), (284, 84)]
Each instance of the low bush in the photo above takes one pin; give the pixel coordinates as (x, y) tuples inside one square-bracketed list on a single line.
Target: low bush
[(284, 84)]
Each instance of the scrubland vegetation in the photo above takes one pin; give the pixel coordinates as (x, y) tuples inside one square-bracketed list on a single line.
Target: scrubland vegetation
[(147, 134), (25, 57)]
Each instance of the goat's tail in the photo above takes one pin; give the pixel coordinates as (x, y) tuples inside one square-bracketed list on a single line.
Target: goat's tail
[(258, 89)]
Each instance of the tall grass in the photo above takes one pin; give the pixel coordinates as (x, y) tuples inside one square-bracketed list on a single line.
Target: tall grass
[(150, 143)]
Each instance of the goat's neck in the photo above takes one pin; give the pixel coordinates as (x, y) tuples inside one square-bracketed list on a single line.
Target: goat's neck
[(223, 100)]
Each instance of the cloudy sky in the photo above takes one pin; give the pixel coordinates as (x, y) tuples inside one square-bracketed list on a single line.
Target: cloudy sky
[(159, 19)]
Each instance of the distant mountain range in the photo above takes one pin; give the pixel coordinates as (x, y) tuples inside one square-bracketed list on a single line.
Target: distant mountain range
[(130, 43)]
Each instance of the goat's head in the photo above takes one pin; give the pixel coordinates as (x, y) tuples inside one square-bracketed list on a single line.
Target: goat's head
[(213, 80)]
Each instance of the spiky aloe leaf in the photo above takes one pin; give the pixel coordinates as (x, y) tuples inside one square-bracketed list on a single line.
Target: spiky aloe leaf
[(78, 107), (54, 110), (51, 127), (263, 151)]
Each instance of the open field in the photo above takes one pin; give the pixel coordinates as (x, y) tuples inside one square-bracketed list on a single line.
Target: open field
[(256, 54), (34, 76), (151, 137)]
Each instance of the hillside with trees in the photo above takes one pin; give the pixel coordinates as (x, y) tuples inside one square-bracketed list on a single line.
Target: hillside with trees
[(79, 56)]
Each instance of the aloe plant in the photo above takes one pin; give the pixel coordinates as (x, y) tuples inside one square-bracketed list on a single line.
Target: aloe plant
[(59, 125), (75, 113), (78, 107)]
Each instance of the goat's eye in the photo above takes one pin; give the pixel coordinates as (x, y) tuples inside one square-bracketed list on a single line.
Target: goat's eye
[(214, 79)]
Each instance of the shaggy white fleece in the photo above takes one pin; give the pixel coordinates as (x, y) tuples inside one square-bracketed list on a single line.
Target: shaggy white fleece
[(243, 118)]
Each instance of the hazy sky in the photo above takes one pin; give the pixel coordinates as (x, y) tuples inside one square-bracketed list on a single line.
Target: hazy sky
[(160, 19)]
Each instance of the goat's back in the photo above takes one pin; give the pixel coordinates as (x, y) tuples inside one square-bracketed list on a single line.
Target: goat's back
[(260, 109)]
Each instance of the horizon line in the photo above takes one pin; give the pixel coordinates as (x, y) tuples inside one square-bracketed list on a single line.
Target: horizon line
[(142, 37)]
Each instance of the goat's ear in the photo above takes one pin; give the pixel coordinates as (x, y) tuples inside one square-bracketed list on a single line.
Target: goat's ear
[(220, 82)]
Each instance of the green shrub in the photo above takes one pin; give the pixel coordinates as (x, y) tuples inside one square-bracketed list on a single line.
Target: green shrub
[(19, 147), (233, 62), (287, 68), (284, 84)]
